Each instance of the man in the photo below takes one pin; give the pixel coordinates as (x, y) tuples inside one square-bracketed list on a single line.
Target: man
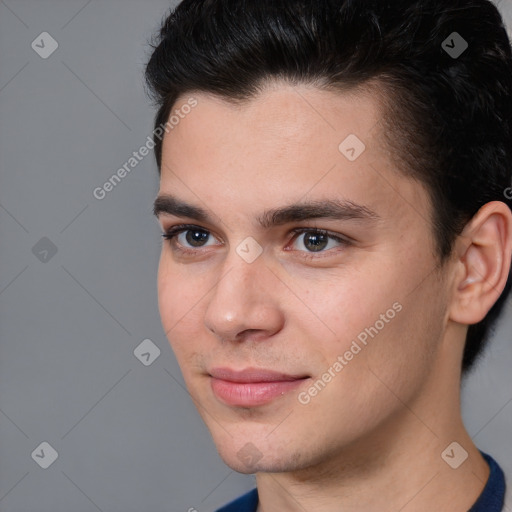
[(338, 240)]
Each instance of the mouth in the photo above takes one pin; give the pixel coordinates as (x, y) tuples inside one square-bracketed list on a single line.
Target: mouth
[(252, 386)]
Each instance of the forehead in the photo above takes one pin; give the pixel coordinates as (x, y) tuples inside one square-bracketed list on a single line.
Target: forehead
[(283, 117), (286, 144)]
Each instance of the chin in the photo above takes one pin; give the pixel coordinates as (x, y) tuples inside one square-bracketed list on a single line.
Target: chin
[(260, 466), (249, 455)]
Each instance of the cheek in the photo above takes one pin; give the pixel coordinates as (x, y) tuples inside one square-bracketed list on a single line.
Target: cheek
[(348, 305), (178, 301), (401, 346), (377, 322), (180, 318)]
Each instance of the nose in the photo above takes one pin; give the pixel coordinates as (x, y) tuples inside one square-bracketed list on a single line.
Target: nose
[(244, 303)]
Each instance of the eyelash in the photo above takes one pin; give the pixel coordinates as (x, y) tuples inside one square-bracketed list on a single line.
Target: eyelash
[(173, 232)]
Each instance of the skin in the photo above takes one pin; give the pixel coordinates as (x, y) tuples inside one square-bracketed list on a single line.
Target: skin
[(372, 438)]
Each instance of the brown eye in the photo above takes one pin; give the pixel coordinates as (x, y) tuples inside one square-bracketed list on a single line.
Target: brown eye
[(196, 238), (315, 240), (190, 237)]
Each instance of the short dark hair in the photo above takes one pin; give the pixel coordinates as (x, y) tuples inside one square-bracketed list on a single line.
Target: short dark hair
[(448, 116)]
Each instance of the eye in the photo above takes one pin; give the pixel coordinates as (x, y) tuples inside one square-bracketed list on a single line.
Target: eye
[(190, 237), (317, 240)]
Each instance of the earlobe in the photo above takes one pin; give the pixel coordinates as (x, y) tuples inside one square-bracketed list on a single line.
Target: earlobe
[(484, 263)]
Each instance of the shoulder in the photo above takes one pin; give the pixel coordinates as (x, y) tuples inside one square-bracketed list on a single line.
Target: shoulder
[(246, 503)]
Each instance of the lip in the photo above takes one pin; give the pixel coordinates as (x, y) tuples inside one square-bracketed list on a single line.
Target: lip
[(252, 375), (252, 386)]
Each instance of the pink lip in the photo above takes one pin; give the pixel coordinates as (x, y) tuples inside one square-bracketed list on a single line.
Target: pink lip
[(252, 386)]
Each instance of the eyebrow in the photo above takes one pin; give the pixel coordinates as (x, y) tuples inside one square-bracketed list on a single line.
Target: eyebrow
[(326, 209)]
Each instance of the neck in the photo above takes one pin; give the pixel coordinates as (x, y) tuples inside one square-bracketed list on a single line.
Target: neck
[(397, 467)]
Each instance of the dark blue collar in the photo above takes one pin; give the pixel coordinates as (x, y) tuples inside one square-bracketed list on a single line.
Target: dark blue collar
[(245, 503), (491, 499), (493, 495)]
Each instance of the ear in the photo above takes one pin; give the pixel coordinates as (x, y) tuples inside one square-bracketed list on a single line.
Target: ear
[(484, 252)]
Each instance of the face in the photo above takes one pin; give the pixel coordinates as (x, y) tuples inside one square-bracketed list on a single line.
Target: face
[(297, 289)]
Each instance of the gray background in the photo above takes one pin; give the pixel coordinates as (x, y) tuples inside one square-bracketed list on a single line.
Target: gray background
[(127, 435)]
